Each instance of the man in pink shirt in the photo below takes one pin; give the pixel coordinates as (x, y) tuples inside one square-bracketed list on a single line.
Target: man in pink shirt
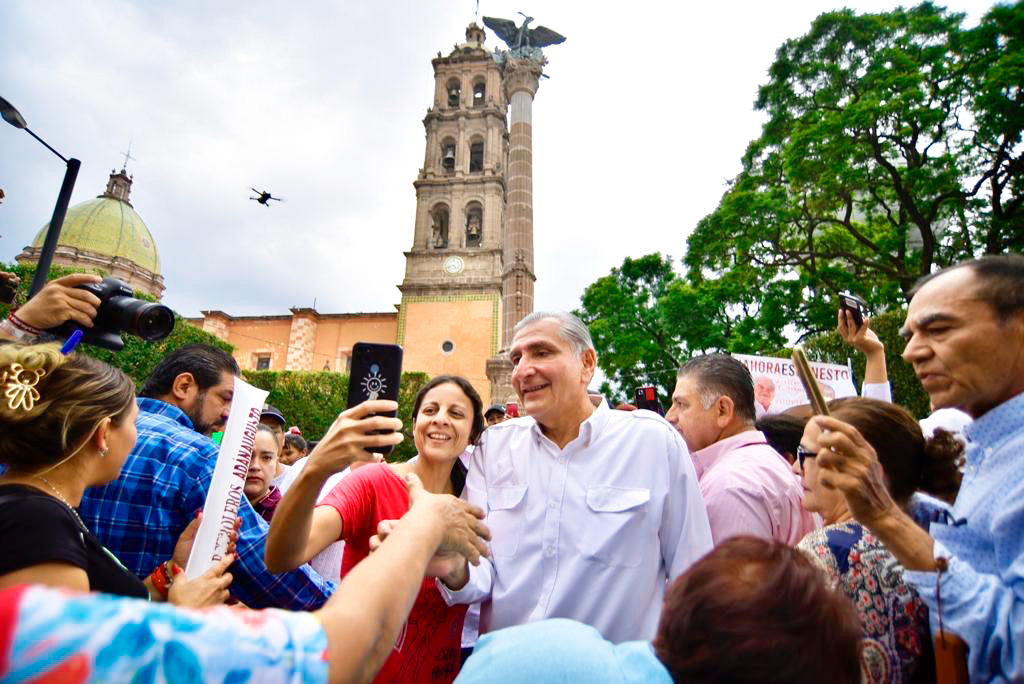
[(748, 487)]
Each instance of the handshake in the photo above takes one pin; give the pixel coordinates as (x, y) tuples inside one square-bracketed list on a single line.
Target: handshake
[(463, 536)]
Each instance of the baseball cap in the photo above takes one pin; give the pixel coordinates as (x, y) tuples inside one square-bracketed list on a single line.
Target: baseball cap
[(272, 412)]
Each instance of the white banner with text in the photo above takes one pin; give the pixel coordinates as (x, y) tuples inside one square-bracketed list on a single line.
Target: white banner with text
[(225, 495), (777, 387)]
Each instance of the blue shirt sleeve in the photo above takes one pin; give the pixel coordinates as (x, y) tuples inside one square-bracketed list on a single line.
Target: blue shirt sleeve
[(253, 584), (983, 609)]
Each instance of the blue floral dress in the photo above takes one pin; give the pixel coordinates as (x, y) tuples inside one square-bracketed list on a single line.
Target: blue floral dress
[(892, 615), (53, 635)]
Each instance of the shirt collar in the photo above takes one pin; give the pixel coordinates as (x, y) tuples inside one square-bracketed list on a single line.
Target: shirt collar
[(162, 408), (589, 429), (990, 428), (705, 459)]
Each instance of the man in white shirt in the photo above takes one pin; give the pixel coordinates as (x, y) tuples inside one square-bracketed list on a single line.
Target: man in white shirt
[(591, 510)]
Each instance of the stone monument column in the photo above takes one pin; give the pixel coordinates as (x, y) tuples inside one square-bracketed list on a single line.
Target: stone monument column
[(522, 77), (522, 67)]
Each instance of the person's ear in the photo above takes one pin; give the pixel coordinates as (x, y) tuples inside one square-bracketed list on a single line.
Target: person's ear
[(725, 409), (100, 436), (183, 387), (589, 359)]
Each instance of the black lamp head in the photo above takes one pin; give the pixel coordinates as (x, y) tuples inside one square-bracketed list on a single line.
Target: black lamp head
[(11, 115)]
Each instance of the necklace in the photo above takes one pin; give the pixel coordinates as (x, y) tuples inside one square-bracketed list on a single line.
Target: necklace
[(61, 497)]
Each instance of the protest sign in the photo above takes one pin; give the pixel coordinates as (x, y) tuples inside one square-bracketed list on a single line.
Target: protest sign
[(777, 387), (225, 495)]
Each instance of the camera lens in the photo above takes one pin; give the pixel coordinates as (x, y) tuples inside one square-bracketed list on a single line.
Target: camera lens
[(153, 322), (140, 318)]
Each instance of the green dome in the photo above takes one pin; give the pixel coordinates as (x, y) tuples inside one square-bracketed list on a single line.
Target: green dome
[(107, 226)]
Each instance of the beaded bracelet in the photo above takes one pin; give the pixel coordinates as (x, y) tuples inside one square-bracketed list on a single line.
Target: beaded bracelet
[(22, 325)]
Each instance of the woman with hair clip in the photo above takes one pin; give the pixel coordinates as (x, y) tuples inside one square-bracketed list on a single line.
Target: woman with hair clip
[(896, 646), (69, 423), (448, 417)]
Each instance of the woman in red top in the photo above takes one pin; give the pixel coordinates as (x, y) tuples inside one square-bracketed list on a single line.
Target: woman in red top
[(448, 417)]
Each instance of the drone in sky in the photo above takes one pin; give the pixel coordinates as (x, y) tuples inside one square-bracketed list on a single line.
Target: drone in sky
[(264, 197)]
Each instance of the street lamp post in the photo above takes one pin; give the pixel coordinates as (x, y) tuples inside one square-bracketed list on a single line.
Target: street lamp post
[(14, 117)]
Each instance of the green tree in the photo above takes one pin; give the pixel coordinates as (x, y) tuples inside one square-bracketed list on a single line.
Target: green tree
[(635, 345), (893, 145)]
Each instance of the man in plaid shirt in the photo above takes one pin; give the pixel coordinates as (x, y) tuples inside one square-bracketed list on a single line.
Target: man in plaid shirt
[(164, 482)]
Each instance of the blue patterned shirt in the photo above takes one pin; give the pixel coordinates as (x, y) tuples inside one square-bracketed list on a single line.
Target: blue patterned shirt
[(162, 484), (983, 538), (53, 635)]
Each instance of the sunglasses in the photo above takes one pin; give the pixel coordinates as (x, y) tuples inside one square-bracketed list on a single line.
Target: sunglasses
[(802, 453)]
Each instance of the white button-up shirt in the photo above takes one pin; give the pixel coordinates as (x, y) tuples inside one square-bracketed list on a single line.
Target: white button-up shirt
[(591, 532)]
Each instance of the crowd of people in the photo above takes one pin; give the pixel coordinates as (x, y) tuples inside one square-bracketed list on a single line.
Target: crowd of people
[(721, 543)]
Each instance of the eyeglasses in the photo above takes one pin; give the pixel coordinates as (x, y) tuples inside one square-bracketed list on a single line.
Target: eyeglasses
[(802, 453)]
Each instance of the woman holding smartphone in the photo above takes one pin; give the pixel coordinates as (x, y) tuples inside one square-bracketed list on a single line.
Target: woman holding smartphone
[(448, 415)]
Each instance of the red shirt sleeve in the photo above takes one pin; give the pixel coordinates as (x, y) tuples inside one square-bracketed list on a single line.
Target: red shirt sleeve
[(353, 498)]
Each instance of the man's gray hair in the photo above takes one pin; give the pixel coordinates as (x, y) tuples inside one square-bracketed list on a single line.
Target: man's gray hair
[(722, 375), (570, 328)]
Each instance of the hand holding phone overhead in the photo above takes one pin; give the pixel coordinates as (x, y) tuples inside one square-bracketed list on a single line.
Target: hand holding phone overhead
[(356, 434)]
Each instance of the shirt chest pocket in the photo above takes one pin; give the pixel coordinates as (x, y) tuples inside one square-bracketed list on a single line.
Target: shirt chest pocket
[(506, 511), (616, 534)]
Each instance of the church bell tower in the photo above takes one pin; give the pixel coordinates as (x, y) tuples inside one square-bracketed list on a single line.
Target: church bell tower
[(450, 318), (469, 276)]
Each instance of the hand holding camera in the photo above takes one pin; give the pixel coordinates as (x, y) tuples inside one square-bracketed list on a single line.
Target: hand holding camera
[(101, 307), (114, 309), (62, 300)]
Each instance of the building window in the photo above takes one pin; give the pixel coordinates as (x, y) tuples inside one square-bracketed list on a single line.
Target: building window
[(439, 227), (474, 224), (263, 362), (479, 92), (447, 347), (448, 156), (476, 157), (454, 93)]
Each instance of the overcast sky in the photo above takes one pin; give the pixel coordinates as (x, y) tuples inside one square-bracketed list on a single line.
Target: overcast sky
[(645, 116)]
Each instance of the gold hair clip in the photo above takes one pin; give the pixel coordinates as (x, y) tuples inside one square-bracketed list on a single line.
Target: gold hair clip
[(20, 386)]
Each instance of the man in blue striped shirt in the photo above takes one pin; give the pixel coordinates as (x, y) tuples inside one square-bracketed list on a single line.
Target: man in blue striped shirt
[(164, 482), (965, 340)]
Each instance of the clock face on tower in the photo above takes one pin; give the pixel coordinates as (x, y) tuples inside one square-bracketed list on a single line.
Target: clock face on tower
[(454, 265)]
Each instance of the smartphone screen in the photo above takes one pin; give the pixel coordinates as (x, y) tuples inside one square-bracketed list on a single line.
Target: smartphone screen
[(647, 398), (376, 372), (855, 306)]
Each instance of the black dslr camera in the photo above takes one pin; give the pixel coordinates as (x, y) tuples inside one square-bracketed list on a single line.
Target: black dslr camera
[(120, 311)]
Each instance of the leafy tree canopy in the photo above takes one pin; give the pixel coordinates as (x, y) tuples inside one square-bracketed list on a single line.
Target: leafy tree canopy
[(892, 146)]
